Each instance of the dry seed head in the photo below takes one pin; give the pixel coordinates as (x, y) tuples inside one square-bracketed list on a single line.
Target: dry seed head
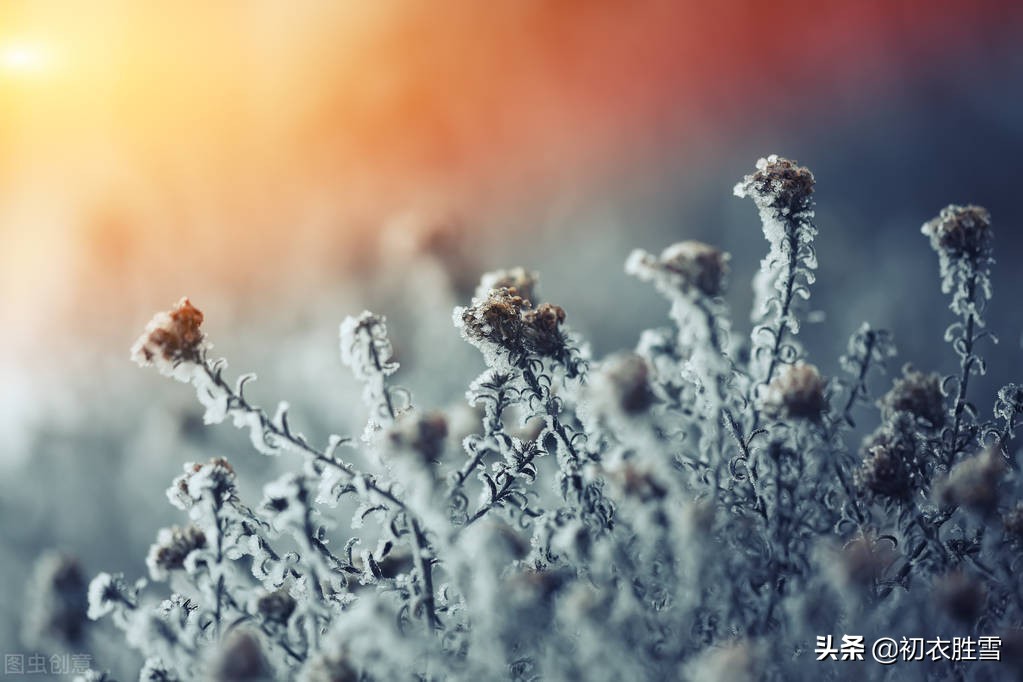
[(172, 547), (171, 338), (688, 266), (521, 280), (885, 473), (918, 394), (779, 184), (960, 230), (797, 392)]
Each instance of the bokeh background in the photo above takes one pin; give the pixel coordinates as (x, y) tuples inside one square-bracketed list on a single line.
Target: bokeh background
[(285, 164)]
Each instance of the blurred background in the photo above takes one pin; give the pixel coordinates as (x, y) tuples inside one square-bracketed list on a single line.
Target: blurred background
[(287, 164)]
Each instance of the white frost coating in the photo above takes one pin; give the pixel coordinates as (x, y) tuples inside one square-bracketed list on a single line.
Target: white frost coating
[(782, 192)]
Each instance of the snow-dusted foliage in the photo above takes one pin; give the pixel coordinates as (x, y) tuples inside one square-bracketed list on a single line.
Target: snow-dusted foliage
[(685, 510)]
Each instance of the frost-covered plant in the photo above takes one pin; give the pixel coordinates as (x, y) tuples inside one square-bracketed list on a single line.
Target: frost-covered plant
[(680, 511)]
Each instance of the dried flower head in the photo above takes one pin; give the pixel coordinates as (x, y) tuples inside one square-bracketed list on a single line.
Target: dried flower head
[(961, 596), (973, 483), (797, 392), (508, 321), (688, 266), (918, 394), (495, 318), (171, 548), (885, 473), (521, 280), (172, 339), (780, 185), (960, 231), (216, 478)]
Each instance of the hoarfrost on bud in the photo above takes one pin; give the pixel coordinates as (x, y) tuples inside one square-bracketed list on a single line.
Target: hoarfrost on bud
[(172, 547), (504, 323), (215, 478), (688, 266), (918, 394), (797, 392), (521, 280), (173, 342)]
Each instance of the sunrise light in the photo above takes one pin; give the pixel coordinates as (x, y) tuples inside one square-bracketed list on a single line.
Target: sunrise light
[(23, 57)]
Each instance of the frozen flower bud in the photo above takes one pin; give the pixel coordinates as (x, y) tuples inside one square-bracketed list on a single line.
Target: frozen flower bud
[(543, 328), (495, 318), (778, 185), (275, 607), (507, 320), (961, 596), (797, 392), (521, 280), (423, 434), (918, 394), (215, 478), (622, 385), (172, 546), (241, 659), (884, 473), (688, 266), (172, 340), (973, 483), (960, 231), (56, 602)]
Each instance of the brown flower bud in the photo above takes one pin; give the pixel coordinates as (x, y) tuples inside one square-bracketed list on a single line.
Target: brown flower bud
[(797, 392)]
